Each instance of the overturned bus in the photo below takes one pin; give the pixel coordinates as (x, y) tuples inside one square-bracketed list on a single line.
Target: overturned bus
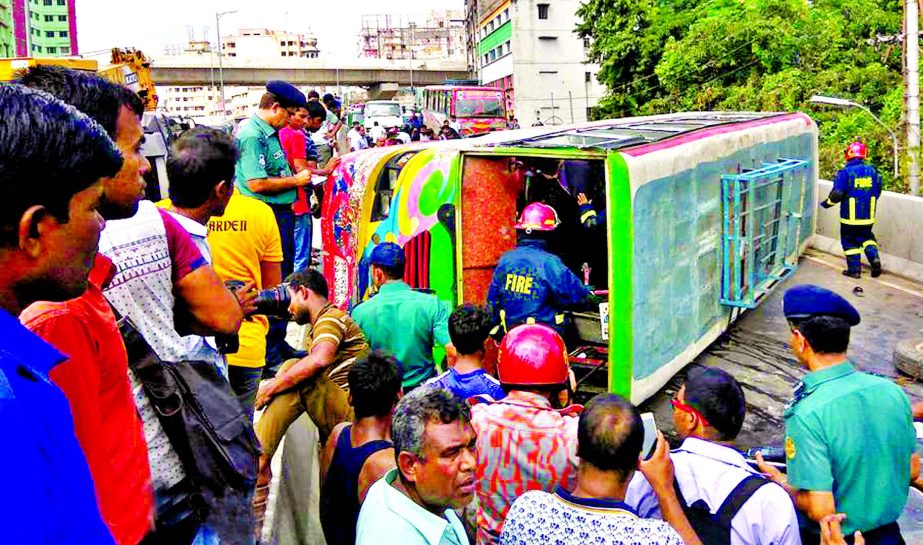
[(699, 215)]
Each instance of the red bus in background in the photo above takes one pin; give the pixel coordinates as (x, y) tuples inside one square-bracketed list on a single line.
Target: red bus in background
[(477, 110)]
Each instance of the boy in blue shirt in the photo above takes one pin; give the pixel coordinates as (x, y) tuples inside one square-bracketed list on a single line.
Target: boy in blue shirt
[(469, 329)]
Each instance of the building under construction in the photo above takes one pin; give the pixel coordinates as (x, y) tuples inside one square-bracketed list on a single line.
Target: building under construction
[(435, 35)]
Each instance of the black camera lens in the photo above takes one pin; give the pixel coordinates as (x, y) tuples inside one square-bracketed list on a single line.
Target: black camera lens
[(274, 301)]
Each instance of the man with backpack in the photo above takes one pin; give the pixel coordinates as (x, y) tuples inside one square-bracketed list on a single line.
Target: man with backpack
[(726, 500)]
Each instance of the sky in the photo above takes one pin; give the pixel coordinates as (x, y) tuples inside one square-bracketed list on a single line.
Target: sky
[(150, 25)]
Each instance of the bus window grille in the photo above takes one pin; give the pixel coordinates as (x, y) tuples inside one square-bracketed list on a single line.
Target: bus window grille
[(761, 229)]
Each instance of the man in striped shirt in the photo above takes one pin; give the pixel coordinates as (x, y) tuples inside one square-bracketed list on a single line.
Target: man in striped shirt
[(315, 384)]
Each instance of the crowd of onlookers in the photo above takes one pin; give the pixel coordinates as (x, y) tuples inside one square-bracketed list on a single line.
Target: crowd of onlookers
[(139, 338)]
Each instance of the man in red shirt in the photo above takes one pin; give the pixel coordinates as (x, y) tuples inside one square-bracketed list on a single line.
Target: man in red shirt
[(125, 470), (302, 155), (95, 376), (524, 441)]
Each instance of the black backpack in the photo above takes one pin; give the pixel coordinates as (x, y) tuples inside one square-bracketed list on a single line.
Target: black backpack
[(715, 529), (208, 428)]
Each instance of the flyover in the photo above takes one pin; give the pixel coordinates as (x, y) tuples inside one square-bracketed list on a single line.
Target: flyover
[(380, 76)]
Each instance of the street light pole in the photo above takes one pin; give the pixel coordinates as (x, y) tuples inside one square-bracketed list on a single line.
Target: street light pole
[(218, 16), (912, 75), (843, 103), (412, 25)]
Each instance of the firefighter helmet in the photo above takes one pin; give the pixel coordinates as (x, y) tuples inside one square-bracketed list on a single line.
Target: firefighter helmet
[(532, 355), (538, 216), (856, 150)]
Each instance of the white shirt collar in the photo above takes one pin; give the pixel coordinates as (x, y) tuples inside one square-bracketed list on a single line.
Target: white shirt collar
[(194, 228), (714, 451), (429, 525)]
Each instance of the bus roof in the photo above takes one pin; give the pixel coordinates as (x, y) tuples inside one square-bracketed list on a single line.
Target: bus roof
[(632, 132)]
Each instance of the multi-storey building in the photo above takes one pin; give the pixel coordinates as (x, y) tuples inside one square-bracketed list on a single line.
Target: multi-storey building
[(529, 49), (203, 102), (265, 43), (38, 28), (435, 35)]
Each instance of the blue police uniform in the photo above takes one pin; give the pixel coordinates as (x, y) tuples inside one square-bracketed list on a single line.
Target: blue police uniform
[(532, 285), (857, 188)]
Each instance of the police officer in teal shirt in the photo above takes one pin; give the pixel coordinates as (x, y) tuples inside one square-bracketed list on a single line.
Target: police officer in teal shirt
[(262, 172), (849, 436)]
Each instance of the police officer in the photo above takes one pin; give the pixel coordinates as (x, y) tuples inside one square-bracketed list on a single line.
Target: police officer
[(857, 188), (849, 436), (402, 321), (531, 285), (262, 172)]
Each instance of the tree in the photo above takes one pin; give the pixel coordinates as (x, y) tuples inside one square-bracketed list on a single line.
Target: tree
[(659, 56)]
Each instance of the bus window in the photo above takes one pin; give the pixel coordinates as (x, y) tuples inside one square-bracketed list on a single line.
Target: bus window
[(384, 187), (489, 104)]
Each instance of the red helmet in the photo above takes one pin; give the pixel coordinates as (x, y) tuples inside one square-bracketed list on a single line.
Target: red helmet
[(532, 355), (856, 150), (538, 217)]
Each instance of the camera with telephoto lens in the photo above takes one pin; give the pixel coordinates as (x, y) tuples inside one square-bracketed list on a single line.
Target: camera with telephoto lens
[(274, 301)]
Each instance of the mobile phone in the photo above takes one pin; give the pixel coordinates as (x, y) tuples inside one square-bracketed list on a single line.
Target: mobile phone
[(650, 435)]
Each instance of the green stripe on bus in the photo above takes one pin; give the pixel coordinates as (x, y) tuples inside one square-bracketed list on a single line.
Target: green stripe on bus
[(621, 294)]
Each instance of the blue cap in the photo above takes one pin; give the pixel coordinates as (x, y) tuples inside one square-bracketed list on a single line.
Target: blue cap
[(806, 301), (289, 96), (387, 254)]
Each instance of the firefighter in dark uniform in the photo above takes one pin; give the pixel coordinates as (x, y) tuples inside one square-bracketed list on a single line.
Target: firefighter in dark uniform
[(857, 188), (531, 285)]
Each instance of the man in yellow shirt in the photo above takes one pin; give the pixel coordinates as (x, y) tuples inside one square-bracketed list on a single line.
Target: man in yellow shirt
[(246, 247)]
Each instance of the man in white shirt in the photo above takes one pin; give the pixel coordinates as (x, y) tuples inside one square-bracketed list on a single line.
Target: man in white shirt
[(377, 132), (356, 137), (720, 492)]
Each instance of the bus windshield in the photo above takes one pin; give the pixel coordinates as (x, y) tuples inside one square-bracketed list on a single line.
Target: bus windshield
[(484, 104), (382, 109)]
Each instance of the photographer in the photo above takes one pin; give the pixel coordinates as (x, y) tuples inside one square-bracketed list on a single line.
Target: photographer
[(315, 384)]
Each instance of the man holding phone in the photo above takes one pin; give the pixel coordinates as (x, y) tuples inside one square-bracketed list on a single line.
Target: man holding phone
[(725, 499), (610, 435)]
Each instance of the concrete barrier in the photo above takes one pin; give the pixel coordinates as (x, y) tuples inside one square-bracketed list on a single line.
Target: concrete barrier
[(899, 231)]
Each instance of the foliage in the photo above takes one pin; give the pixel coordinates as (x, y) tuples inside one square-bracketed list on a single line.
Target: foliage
[(660, 56)]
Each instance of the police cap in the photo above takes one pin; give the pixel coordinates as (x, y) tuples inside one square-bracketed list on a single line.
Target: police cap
[(806, 301), (289, 96), (387, 254)]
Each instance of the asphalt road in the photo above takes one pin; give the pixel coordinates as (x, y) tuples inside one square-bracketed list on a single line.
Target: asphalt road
[(756, 352)]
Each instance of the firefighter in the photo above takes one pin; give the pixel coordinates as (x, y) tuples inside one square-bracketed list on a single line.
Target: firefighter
[(530, 284), (857, 188)]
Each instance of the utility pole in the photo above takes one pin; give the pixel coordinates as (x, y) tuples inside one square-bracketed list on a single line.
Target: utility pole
[(218, 16), (411, 25), (911, 35)]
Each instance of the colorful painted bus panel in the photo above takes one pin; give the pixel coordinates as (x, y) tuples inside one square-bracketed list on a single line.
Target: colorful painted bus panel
[(700, 215)]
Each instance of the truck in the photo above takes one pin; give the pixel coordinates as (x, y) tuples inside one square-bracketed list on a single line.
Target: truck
[(128, 67)]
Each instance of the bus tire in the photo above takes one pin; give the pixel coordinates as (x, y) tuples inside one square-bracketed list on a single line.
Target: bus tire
[(908, 357)]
